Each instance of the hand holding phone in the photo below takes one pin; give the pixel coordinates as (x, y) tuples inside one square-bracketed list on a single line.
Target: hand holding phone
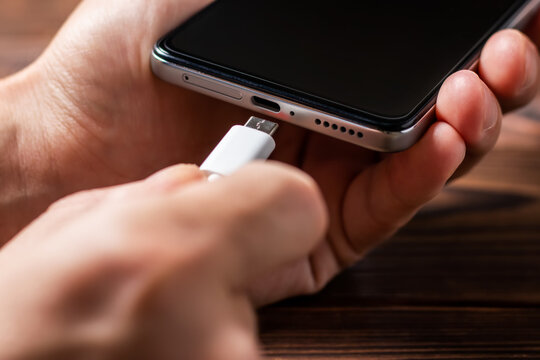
[(364, 72), (105, 119)]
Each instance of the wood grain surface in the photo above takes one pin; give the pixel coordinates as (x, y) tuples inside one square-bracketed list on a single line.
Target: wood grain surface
[(461, 281)]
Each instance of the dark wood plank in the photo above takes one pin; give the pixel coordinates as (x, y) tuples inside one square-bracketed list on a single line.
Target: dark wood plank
[(401, 333)]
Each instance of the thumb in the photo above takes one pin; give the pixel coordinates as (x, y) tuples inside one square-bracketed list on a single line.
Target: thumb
[(266, 215), (127, 23), (165, 15)]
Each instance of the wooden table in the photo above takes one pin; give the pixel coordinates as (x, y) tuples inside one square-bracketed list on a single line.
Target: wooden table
[(461, 281)]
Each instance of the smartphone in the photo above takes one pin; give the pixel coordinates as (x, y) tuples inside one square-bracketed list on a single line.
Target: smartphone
[(363, 71)]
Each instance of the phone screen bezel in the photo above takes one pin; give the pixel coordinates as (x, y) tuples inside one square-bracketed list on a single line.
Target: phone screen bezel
[(361, 117)]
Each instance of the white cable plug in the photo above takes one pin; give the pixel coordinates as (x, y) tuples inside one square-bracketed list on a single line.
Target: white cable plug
[(240, 146)]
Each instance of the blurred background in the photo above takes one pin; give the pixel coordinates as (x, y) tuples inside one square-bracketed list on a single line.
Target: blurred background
[(461, 281)]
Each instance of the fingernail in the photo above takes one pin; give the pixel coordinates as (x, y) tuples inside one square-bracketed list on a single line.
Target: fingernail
[(491, 110), (531, 68)]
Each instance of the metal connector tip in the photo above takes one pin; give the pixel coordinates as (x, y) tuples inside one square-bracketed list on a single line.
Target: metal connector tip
[(266, 126)]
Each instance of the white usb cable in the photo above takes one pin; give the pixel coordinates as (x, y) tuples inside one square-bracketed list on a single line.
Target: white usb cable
[(240, 146)]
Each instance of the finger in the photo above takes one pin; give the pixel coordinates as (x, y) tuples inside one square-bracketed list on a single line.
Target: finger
[(470, 107), (174, 177), (166, 180), (263, 216), (509, 65), (148, 20), (385, 197)]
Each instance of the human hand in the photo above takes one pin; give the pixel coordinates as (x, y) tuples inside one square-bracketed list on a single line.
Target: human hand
[(371, 196), (157, 269), (118, 123)]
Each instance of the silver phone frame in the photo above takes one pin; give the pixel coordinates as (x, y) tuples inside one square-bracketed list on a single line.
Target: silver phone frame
[(307, 117)]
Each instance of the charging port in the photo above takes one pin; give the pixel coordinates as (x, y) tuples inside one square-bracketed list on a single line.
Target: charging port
[(266, 104)]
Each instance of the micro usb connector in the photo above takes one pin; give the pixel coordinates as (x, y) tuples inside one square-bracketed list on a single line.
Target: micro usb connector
[(240, 146), (262, 125)]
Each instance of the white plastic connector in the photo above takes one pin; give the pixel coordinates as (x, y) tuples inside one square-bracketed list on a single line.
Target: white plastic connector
[(240, 146)]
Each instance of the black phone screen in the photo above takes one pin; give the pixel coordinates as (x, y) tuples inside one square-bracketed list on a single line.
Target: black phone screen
[(384, 58)]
